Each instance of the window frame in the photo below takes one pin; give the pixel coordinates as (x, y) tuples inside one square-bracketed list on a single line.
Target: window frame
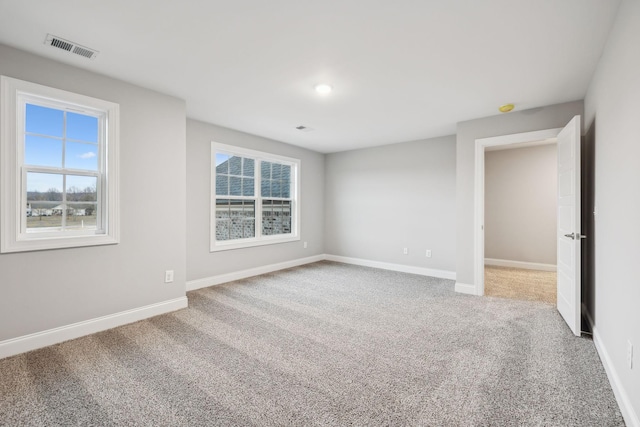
[(258, 239), (14, 96)]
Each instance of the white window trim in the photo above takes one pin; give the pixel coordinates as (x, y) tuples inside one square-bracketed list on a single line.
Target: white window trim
[(216, 246), (12, 237)]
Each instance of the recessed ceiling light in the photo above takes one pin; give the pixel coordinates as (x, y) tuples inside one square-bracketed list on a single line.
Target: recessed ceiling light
[(323, 88), (506, 108)]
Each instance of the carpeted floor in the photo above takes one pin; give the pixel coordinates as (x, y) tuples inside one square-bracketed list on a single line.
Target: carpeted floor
[(324, 344), (519, 283)]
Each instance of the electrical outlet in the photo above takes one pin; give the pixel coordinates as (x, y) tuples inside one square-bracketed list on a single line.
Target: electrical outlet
[(168, 276), (405, 251), (629, 354), (428, 255), (305, 245)]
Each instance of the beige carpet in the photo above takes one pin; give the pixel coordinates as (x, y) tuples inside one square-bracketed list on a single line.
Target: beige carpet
[(518, 283), (323, 344)]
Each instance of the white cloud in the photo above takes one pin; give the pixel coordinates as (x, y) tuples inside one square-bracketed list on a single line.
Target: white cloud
[(88, 155)]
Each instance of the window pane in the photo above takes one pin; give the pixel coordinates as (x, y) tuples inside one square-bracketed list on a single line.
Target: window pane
[(286, 189), (81, 216), (222, 230), (265, 170), (82, 188), (81, 156), (276, 171), (235, 208), (222, 163), (247, 187), (44, 186), (237, 220), (266, 188), (235, 165), (222, 219), (276, 217), (286, 217), (44, 200), (267, 217), (286, 172), (235, 186), (249, 220), (248, 167), (222, 208), (275, 189), (82, 127), (222, 185), (286, 181), (249, 228), (44, 121), (236, 230), (42, 215), (249, 209), (40, 151)]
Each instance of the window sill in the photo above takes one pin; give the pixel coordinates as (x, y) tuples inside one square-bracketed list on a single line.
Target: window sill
[(43, 244), (227, 246)]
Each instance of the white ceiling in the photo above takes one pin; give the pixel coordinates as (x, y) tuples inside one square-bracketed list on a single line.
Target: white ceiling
[(401, 71)]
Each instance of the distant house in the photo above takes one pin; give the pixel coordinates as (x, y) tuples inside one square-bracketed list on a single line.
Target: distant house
[(70, 211), (41, 212)]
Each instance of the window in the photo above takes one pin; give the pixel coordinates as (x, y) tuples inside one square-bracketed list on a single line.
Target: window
[(59, 168), (254, 198)]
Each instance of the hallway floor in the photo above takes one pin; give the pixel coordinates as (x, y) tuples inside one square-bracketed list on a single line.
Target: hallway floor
[(519, 283)]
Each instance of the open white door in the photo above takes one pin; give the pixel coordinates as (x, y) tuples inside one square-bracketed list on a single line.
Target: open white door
[(569, 224)]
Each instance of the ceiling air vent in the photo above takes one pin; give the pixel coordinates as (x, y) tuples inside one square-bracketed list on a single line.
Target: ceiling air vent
[(70, 46)]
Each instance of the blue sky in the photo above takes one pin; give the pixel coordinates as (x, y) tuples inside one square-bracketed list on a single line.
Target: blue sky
[(44, 181), (221, 158), (44, 139)]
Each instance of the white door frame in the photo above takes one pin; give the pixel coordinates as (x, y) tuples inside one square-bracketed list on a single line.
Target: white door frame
[(521, 139)]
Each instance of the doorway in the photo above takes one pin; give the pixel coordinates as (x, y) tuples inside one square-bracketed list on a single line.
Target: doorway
[(521, 221), (520, 140), (569, 237)]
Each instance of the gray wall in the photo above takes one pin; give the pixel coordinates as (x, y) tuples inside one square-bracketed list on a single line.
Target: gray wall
[(612, 108), (520, 204), (48, 289), (553, 116), (381, 200), (200, 262)]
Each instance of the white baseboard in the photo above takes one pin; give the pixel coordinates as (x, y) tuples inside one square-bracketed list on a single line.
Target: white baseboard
[(628, 413), (243, 274), (192, 285), (465, 288), (37, 340), (520, 264), (443, 274)]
